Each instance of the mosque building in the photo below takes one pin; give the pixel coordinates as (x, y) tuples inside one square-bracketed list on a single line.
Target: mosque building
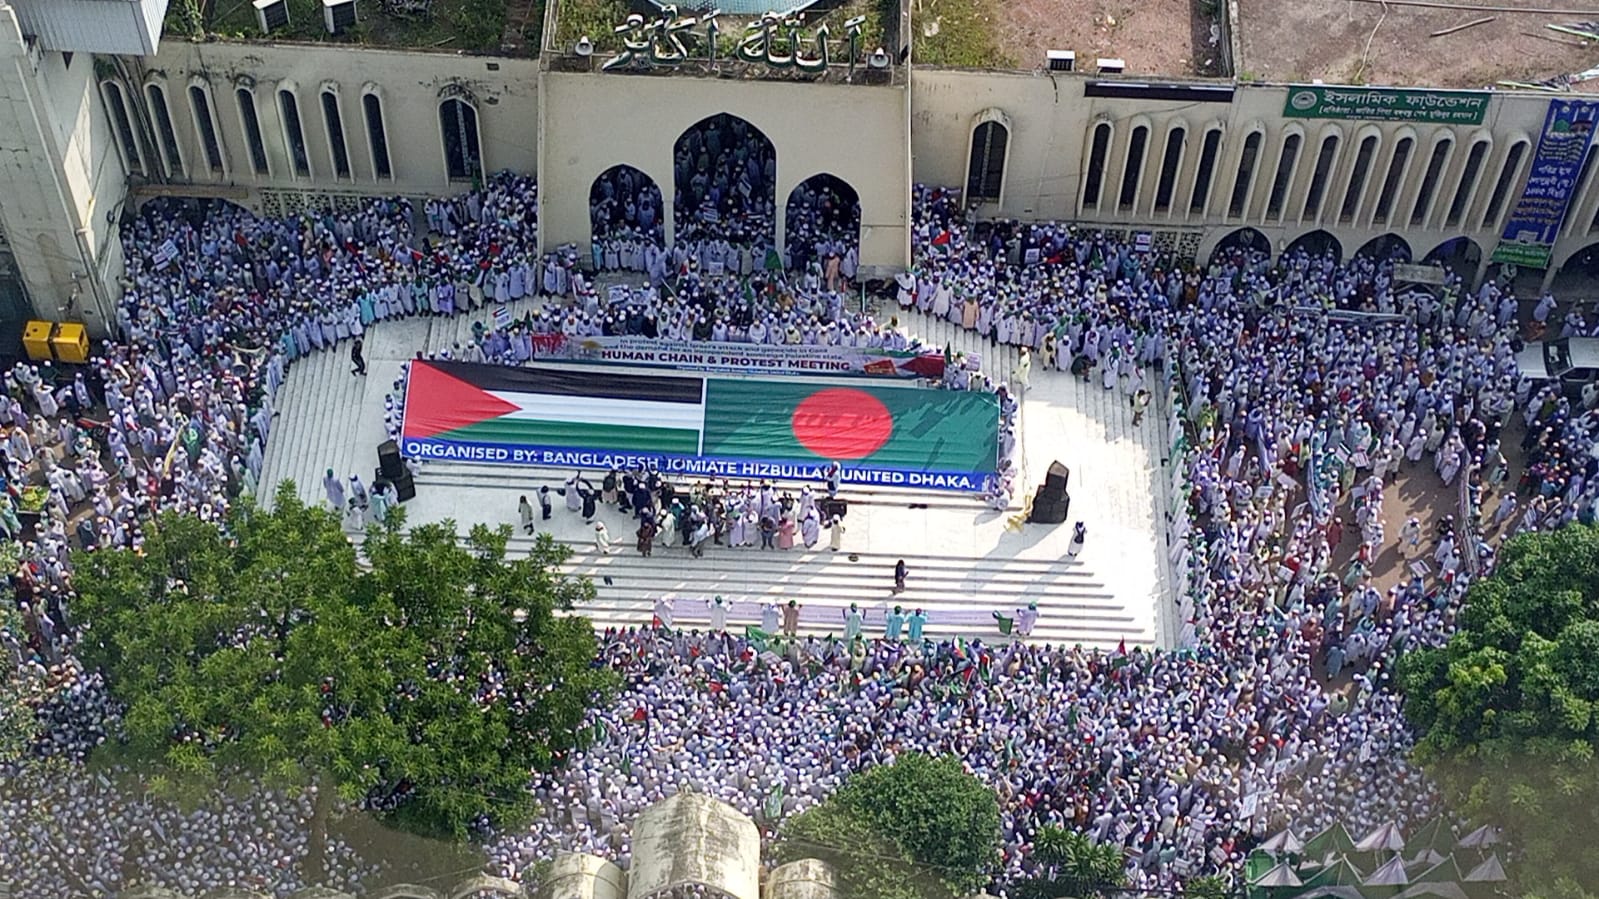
[(1427, 131)]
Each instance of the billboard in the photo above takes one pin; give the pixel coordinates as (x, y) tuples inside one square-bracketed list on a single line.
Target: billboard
[(1530, 232), (700, 426)]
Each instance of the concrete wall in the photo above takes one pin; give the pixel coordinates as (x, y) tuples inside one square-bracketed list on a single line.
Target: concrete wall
[(1052, 123), (694, 839), (61, 181), (61, 178), (593, 121), (410, 85)]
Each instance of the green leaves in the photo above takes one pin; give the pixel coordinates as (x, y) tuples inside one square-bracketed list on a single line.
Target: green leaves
[(438, 677), (1506, 712), (1077, 866), (920, 828), (21, 687)]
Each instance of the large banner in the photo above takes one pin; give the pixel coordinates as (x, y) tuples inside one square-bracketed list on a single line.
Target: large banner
[(1533, 225), (701, 426), (745, 358)]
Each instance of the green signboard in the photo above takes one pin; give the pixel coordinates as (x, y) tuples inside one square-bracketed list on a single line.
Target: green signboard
[(1531, 256), (1387, 104)]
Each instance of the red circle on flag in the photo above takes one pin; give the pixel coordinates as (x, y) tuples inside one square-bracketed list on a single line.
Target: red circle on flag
[(842, 423)]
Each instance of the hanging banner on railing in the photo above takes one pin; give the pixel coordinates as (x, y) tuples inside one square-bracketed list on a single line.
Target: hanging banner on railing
[(1535, 222), (743, 358)]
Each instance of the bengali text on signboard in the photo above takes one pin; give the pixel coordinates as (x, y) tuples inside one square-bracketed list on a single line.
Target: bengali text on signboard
[(1530, 232), (1387, 104)]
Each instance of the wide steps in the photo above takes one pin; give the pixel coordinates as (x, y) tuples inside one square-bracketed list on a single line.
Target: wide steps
[(311, 433), (959, 596), (965, 564)]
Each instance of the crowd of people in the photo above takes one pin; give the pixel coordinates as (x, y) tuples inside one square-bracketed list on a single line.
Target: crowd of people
[(725, 178), (174, 414), (724, 213), (1304, 391), (1301, 392), (686, 303), (625, 219)]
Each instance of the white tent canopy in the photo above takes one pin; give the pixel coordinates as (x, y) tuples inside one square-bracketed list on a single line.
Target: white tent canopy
[(1386, 838)]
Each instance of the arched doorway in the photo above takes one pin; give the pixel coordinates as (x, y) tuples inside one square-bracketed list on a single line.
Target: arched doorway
[(1460, 255), (1385, 247), (1245, 241), (1578, 277), (625, 218), (725, 172), (822, 225), (1316, 243)]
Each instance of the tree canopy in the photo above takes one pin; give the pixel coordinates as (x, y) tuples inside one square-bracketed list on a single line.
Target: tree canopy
[(1507, 714), (429, 682), (920, 828), (20, 688), (1073, 865)]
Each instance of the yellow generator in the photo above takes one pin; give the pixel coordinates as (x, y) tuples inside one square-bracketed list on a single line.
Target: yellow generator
[(61, 341)]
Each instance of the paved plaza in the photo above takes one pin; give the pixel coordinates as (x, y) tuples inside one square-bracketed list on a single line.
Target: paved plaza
[(966, 561)]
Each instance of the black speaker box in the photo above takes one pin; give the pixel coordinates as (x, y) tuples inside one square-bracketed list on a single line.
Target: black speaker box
[(1049, 509), (1057, 477), (389, 462), (405, 485)]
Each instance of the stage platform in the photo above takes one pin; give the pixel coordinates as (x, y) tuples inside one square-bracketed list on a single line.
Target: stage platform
[(965, 562)]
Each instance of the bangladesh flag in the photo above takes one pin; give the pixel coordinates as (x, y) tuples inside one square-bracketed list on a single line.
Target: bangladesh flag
[(897, 428), (462, 402)]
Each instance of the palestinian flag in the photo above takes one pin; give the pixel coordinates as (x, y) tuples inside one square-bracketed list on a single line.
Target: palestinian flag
[(460, 402), (895, 428)]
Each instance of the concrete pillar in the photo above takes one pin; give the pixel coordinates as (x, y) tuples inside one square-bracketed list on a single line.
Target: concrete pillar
[(578, 875), (807, 878), (61, 181), (691, 839)]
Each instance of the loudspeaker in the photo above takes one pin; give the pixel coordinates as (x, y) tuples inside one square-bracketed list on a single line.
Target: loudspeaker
[(832, 508), (1057, 477), (389, 462), (1049, 508), (405, 485)]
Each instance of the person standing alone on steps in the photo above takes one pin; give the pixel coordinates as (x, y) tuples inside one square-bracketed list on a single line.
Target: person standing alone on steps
[(356, 358), (524, 510)]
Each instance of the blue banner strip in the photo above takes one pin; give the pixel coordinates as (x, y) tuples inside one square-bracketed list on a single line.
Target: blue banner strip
[(427, 448)]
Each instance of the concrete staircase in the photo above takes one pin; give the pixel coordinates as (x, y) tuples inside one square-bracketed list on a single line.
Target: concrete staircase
[(965, 565), (311, 432), (959, 596), (998, 360)]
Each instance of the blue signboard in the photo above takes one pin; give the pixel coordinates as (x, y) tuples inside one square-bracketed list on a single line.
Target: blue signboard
[(1530, 233), (479, 451)]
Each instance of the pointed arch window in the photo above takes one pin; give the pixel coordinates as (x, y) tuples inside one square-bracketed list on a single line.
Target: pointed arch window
[(463, 157), (985, 174)]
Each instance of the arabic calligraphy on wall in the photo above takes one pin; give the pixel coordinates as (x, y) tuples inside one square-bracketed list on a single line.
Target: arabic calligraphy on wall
[(775, 40)]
